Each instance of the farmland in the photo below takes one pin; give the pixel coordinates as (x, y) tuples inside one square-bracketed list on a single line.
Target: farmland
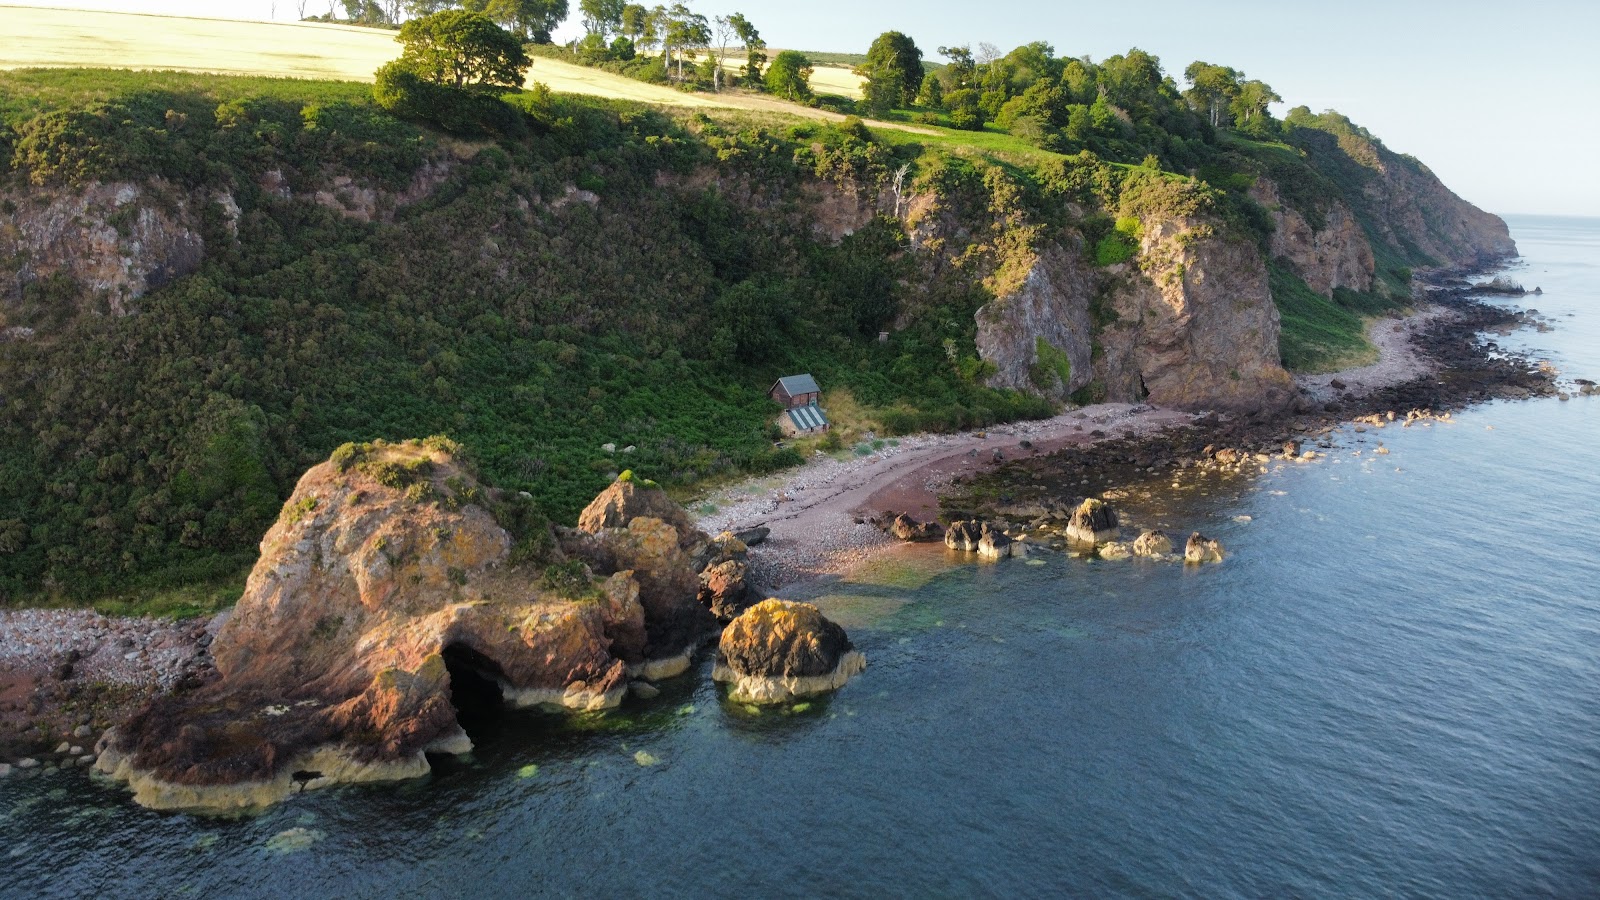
[(38, 37)]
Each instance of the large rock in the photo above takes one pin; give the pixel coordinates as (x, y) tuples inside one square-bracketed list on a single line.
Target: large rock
[(1093, 522), (779, 650), (630, 498), (653, 551), (905, 528), (996, 545), (386, 585)]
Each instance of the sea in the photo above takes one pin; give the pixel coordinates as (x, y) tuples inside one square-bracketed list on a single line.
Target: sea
[(1390, 688)]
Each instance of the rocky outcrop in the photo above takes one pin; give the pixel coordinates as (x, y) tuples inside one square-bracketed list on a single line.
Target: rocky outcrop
[(905, 528), (1335, 254), (989, 542), (1040, 337), (111, 241), (1093, 522), (780, 650), (1195, 327), (385, 586), (1201, 549)]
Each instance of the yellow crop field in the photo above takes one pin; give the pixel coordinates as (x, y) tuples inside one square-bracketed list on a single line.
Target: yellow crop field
[(42, 37)]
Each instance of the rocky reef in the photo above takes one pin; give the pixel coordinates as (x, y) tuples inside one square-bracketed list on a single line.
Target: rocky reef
[(387, 584), (779, 650)]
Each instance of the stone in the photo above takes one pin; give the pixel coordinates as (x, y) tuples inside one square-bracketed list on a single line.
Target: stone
[(1153, 544), (5, 769), (779, 650), (905, 528), (724, 589), (753, 536), (82, 731), (63, 747), (996, 545), (1093, 522), (27, 762), (1201, 549), (644, 690)]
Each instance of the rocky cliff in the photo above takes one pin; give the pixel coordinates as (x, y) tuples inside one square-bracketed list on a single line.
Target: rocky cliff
[(1189, 323), (112, 241), (1334, 255)]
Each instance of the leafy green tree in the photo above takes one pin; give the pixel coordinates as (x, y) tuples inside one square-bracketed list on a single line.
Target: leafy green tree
[(754, 46), (636, 22), (931, 94), (790, 76), (895, 63), (1212, 90), (966, 112), (531, 20), (602, 17), (961, 71), (1250, 106), (463, 50), (1079, 82), (687, 32)]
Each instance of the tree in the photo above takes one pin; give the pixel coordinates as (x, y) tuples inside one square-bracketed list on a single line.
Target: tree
[(636, 22), (532, 20), (754, 48), (1213, 89), (961, 72), (790, 76), (1250, 107), (894, 60), (602, 17), (686, 30), (931, 94), (463, 50), (723, 34)]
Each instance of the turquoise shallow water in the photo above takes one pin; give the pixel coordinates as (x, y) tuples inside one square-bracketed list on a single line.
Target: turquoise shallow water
[(1388, 689)]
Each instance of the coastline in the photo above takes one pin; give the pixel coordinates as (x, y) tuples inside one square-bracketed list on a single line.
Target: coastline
[(820, 514), (75, 672)]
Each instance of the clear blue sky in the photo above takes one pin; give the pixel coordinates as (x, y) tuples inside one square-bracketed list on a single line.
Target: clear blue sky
[(1499, 99)]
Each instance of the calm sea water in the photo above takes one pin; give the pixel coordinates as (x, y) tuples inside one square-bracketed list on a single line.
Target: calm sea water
[(1390, 688)]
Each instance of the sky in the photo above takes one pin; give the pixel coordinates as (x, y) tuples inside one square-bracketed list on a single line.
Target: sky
[(1497, 99)]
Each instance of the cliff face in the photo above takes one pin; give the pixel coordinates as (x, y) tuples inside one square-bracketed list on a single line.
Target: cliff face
[(115, 240), (1040, 338), (1415, 207), (1189, 324), (1195, 327), (1335, 256)]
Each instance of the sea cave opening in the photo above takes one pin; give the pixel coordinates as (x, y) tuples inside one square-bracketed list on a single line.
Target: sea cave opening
[(474, 690)]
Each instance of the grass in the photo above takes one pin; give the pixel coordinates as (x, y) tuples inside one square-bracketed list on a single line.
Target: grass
[(1321, 334), (203, 597)]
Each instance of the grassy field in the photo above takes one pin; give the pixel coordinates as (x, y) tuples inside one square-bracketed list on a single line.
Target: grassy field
[(39, 37)]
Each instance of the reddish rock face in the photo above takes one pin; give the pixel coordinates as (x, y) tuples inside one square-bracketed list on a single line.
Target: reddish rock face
[(384, 565)]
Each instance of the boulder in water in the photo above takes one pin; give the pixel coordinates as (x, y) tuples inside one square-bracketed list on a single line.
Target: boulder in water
[(1152, 544), (779, 650), (724, 589), (1093, 522), (1201, 549), (994, 544)]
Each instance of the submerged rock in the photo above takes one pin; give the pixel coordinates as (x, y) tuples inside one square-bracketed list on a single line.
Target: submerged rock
[(779, 650), (1115, 550), (1201, 549), (386, 588), (1093, 522)]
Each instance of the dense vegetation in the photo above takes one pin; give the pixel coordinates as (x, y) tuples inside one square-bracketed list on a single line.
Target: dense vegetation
[(154, 449), (587, 273)]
